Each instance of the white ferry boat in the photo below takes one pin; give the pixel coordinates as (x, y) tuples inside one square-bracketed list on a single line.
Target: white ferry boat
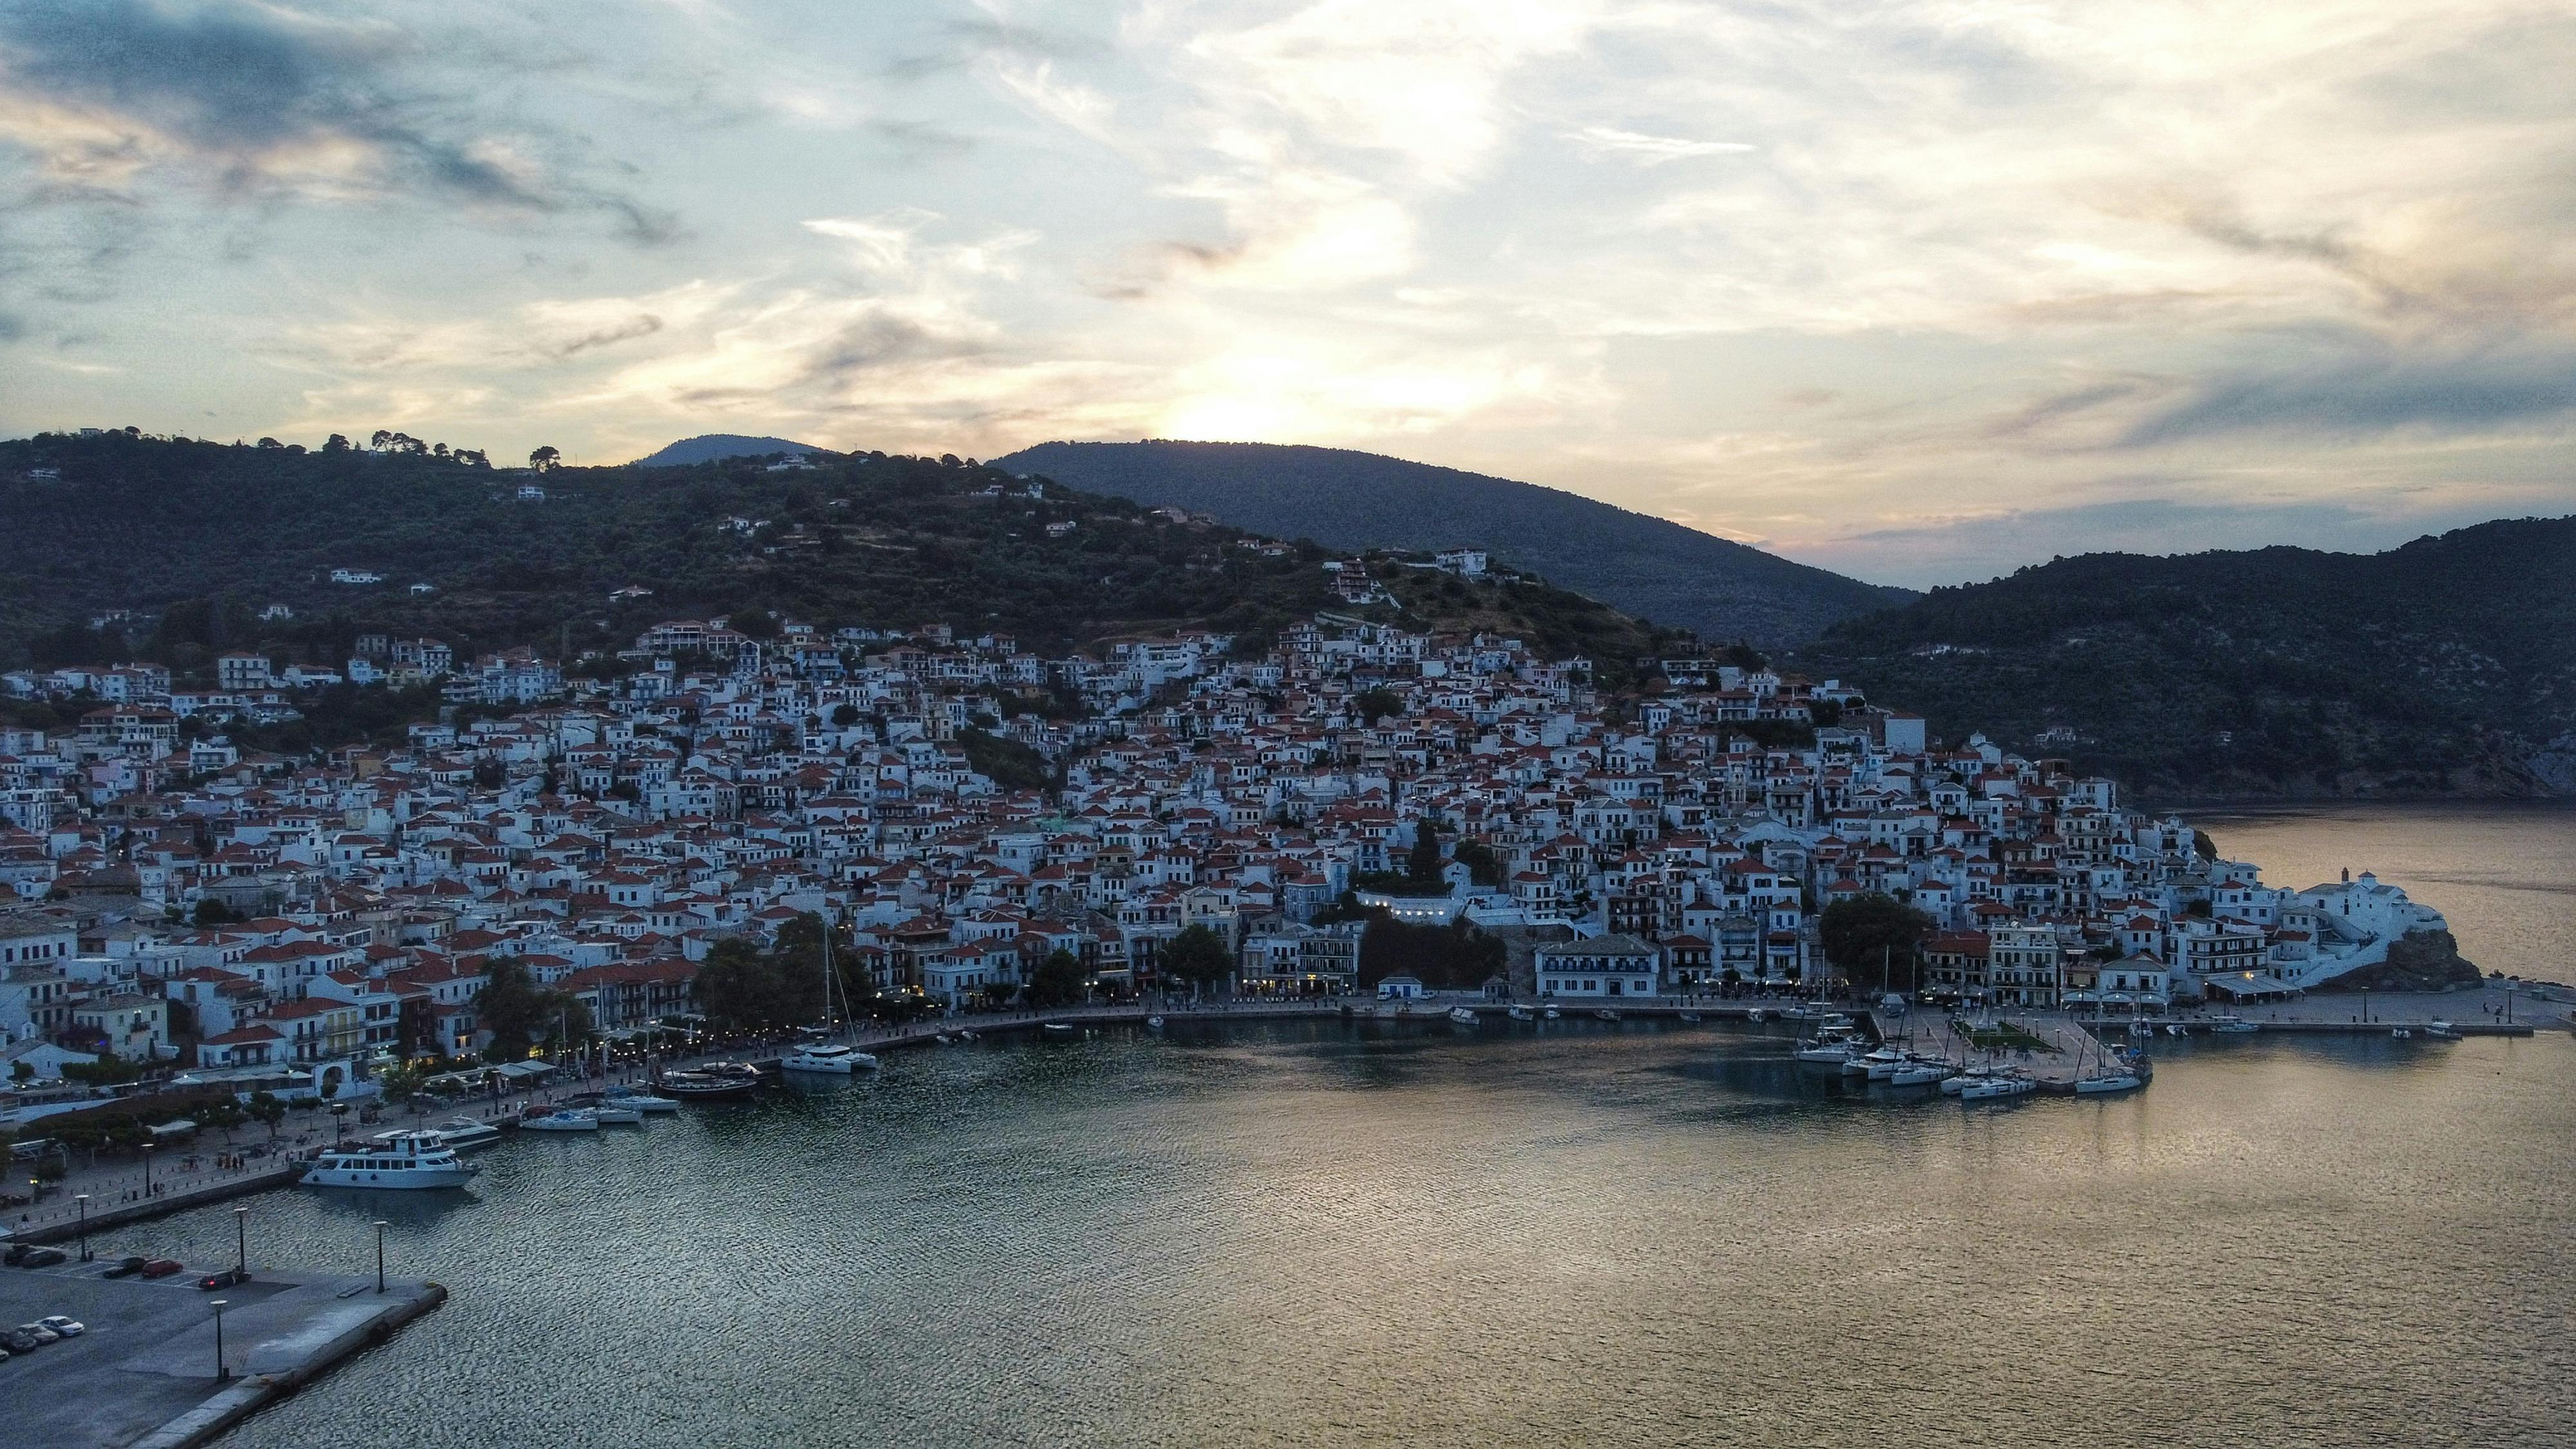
[(398, 1160), (830, 1058)]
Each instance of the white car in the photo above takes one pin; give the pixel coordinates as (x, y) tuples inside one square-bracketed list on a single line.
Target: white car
[(67, 1327)]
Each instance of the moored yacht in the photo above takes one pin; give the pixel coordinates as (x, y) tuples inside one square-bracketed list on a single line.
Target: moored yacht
[(2232, 1025), (460, 1132), (561, 1119), (1606, 1014), (1520, 1013), (830, 1058), (2112, 1081), (609, 1112), (1830, 1051), (1920, 1073), (1461, 1016), (404, 1160), (706, 1086), (1996, 1087), (640, 1101)]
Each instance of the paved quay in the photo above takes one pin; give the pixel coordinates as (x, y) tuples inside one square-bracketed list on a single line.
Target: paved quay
[(143, 1376)]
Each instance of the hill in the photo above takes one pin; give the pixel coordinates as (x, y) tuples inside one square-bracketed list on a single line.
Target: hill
[(2448, 664), (241, 544), (716, 447), (1646, 566)]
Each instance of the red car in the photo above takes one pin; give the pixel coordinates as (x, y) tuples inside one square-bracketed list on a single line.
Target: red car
[(160, 1268)]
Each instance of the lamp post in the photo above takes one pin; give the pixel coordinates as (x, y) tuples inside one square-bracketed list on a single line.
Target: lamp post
[(83, 1199), (147, 1168), (221, 1372), (241, 1238), (380, 1255)]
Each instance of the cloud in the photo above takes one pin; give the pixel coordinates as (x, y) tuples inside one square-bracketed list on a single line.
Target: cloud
[(1647, 150), (2384, 391), (265, 102)]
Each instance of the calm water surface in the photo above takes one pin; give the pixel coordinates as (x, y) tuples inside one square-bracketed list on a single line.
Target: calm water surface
[(1316, 1234), (2503, 873)]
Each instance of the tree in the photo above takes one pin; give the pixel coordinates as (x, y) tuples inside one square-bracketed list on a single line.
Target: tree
[(1198, 956), (1376, 704), (266, 1107), (1860, 933), (515, 1010), (213, 912), (1423, 865), (1058, 980), (1455, 957), (338, 443), (223, 1114), (741, 987), (545, 458)]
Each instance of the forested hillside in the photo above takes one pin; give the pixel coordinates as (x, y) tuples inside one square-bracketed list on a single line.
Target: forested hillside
[(2448, 664), (1646, 566), (198, 540)]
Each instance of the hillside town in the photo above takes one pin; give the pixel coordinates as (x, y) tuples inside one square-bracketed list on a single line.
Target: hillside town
[(182, 904)]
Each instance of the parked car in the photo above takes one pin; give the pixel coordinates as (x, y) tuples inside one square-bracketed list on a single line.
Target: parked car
[(128, 1267), (39, 1332), (17, 1253), (19, 1341), (160, 1268), (67, 1327), (225, 1279), (43, 1258)]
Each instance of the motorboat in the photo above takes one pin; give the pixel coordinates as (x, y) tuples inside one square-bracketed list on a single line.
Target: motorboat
[(640, 1101), (1520, 1013), (1829, 1050), (701, 1086), (1921, 1074), (1878, 1066), (2232, 1025), (1993, 1088), (1690, 1018), (1057, 1030), (462, 1133), (1606, 1014), (1551, 1013), (735, 1071), (943, 1038), (966, 1035), (2401, 1034), (394, 1160), (2175, 1028), (561, 1119), (1461, 1016), (831, 1058), (1153, 1023), (1757, 1016), (2441, 1031), (2104, 1082)]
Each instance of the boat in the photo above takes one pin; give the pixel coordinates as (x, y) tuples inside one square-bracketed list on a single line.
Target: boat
[(640, 1101), (1551, 1013), (943, 1038), (407, 1161), (2175, 1028), (2401, 1034), (1756, 1016), (2232, 1025), (979, 1036), (2441, 1031), (461, 1133), (2101, 1082), (1057, 1030), (1824, 1049), (1520, 1013), (1922, 1074), (1461, 1016), (1996, 1087), (1690, 1018), (1606, 1014), (705, 1086), (1958, 1082), (819, 1055), (1878, 1066), (1153, 1023), (561, 1119), (615, 1114)]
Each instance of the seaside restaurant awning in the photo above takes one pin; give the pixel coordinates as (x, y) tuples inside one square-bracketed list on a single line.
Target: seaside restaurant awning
[(522, 1071), (2252, 986)]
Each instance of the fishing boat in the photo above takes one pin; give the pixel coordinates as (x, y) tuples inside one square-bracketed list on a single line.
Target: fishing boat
[(1606, 1014), (2401, 1034), (396, 1160), (2441, 1031), (1520, 1013), (1690, 1018), (1757, 1016), (979, 1036), (2175, 1028), (1993, 1088), (1153, 1023), (1461, 1016), (561, 1119), (462, 1133), (2232, 1025), (1551, 1013), (1057, 1030)]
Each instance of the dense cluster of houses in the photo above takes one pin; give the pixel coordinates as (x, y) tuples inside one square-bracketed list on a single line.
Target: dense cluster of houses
[(606, 836)]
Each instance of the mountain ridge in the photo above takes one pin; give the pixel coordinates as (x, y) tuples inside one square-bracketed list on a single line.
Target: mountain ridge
[(1345, 499), (716, 447)]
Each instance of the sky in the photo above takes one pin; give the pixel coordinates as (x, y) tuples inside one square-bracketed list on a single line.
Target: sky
[(1921, 290)]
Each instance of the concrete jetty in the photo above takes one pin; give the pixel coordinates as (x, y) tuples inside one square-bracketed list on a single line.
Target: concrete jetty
[(144, 1377)]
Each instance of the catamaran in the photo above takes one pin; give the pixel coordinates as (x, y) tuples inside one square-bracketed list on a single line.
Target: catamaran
[(821, 1056)]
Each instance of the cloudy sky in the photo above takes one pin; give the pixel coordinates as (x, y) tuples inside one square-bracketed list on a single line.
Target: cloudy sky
[(1919, 290)]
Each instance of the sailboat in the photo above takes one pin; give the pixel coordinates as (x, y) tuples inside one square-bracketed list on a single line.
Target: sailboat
[(2104, 1078), (823, 1057)]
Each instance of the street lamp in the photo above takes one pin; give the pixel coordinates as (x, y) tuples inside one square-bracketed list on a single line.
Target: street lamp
[(83, 1199), (147, 1168), (241, 1238), (221, 1372), (380, 1255)]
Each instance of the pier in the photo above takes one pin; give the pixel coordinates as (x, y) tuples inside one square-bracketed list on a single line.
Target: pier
[(144, 1375)]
